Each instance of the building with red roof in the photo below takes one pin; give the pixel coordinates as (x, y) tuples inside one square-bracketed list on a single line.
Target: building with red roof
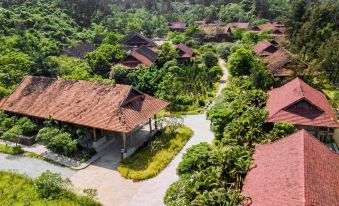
[(177, 26), (184, 51), (298, 103), (102, 107), (139, 56), (281, 63), (265, 48), (297, 170), (135, 40)]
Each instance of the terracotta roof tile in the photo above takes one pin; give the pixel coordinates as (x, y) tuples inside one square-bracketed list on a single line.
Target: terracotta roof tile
[(178, 25), (297, 170), (278, 61), (281, 99), (187, 52), (265, 48), (103, 106)]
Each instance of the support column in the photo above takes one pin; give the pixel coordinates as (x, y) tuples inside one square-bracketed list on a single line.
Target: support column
[(124, 147), (94, 134), (155, 122), (150, 125)]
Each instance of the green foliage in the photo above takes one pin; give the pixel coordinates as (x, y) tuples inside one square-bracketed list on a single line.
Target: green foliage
[(13, 67), (250, 38), (16, 150), (57, 140), (20, 190), (150, 160), (104, 56), (210, 59), (196, 158), (232, 13), (51, 185), (313, 32), (240, 62), (215, 73), (280, 130)]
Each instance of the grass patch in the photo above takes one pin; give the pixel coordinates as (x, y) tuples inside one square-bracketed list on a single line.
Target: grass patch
[(150, 160), (20, 190), (11, 150)]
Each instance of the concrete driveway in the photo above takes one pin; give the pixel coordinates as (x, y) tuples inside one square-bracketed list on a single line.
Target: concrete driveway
[(30, 166)]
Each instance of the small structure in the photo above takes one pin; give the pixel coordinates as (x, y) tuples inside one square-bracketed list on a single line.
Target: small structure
[(200, 23), (106, 108), (240, 25), (265, 48), (280, 63), (185, 52), (80, 50), (298, 103), (135, 40), (178, 26), (139, 56), (294, 171)]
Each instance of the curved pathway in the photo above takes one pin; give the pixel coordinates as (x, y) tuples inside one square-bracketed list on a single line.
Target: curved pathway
[(30, 166)]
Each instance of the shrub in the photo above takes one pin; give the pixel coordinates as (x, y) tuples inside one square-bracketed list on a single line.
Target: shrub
[(280, 130), (210, 59), (196, 158), (16, 150), (57, 141), (184, 100), (215, 73), (62, 143), (241, 62), (201, 103), (51, 185)]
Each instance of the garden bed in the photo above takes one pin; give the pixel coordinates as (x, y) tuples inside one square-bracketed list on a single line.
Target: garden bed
[(150, 160)]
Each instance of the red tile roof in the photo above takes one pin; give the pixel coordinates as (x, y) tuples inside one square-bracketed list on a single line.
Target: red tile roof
[(142, 55), (297, 170), (187, 52), (178, 25), (109, 107), (278, 63), (264, 48), (281, 101)]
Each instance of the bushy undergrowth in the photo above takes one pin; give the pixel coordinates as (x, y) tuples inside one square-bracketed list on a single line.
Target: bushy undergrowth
[(57, 140), (48, 189), (156, 155), (11, 150), (13, 127)]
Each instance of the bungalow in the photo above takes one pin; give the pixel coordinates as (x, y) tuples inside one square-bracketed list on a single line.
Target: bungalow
[(298, 103), (139, 56), (200, 23), (228, 28), (107, 109), (265, 48), (178, 26), (294, 171), (281, 62), (134, 40), (185, 52)]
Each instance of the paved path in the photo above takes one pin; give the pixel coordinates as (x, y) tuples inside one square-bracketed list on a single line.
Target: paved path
[(30, 166)]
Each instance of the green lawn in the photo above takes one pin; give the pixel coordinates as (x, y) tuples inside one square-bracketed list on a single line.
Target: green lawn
[(156, 155), (18, 190)]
